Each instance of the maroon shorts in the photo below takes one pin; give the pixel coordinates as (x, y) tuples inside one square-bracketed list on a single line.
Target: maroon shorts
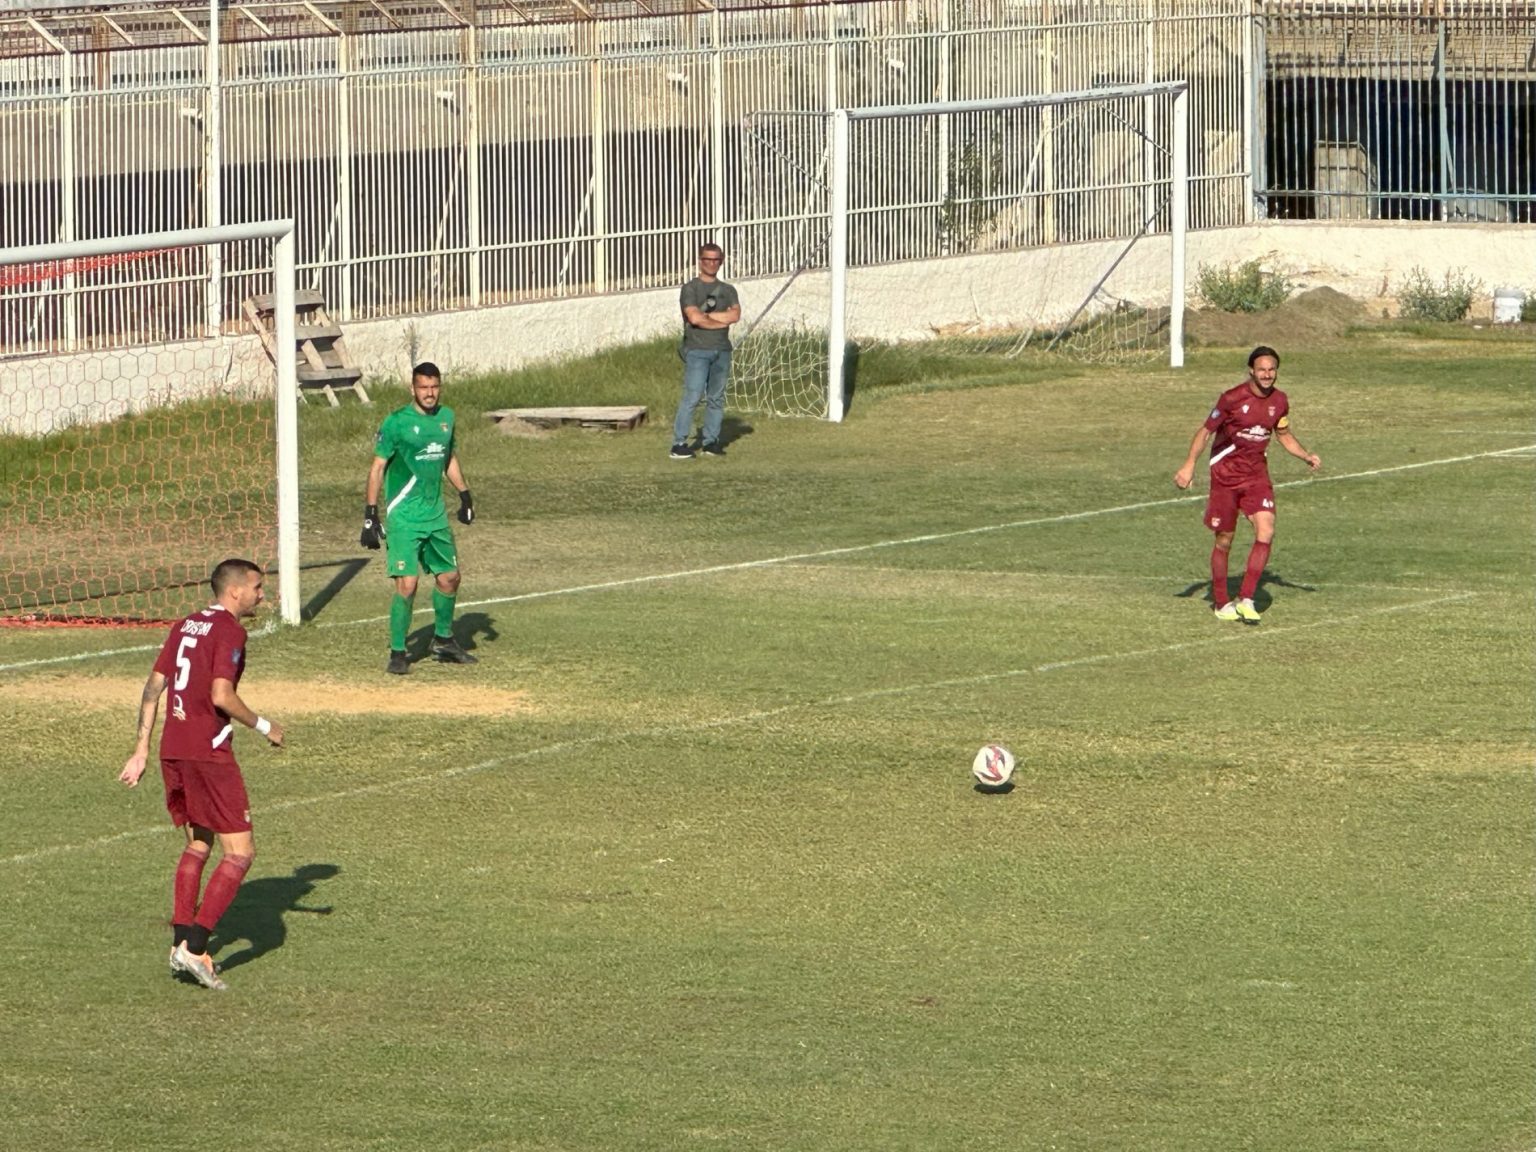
[(1224, 503), (206, 793)]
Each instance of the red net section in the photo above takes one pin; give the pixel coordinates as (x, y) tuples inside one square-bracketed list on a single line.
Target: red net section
[(46, 271), (127, 473)]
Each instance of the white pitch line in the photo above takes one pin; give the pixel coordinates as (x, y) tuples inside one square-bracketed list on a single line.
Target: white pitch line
[(1227, 635), (41, 661), (800, 557), (265, 630), (927, 538)]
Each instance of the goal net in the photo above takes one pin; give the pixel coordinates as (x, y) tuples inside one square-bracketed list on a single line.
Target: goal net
[(1042, 226), (144, 436)]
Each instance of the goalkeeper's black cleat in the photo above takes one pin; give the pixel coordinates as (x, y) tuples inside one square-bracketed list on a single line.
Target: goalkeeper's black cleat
[(447, 651), (399, 663)]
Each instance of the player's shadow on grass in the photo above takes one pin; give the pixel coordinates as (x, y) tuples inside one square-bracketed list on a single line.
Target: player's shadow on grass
[(732, 429), (1261, 598), (348, 570), (257, 915), (469, 629)]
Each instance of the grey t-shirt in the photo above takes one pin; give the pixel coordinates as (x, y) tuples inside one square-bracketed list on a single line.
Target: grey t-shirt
[(715, 297)]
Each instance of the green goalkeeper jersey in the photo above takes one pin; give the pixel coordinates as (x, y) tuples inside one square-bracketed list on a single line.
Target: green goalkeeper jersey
[(418, 448)]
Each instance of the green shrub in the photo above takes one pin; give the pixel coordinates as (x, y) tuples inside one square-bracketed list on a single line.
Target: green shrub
[(1245, 288), (1528, 307), (1420, 298)]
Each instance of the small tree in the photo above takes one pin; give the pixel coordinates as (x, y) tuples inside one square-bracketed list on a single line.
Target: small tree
[(1244, 288), (1447, 302)]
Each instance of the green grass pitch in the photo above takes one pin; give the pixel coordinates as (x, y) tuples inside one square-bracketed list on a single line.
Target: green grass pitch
[(692, 859)]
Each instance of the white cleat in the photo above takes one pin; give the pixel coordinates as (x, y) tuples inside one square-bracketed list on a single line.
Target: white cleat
[(1246, 610), (1227, 611), (200, 968)]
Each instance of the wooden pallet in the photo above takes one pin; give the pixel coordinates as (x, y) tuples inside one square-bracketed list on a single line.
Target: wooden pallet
[(323, 364), (622, 416)]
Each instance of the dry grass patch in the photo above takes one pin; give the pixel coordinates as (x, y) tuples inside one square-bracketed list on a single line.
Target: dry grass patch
[(282, 698)]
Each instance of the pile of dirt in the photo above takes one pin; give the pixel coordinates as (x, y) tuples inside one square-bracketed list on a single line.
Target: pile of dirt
[(1317, 316)]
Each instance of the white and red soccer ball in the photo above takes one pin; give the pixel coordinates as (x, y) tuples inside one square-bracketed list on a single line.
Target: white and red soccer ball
[(993, 766)]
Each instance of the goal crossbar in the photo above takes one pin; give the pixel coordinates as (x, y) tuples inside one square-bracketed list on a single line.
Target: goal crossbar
[(286, 389), (838, 195)]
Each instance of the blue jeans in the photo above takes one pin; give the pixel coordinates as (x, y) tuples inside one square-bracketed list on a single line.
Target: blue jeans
[(704, 375)]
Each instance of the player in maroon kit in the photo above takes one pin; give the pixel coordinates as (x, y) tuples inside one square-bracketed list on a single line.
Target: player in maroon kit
[(201, 661), (1242, 422)]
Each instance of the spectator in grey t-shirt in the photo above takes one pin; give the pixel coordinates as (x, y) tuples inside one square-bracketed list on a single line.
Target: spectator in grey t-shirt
[(709, 307)]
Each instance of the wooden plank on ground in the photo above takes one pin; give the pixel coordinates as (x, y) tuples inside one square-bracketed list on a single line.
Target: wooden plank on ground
[(615, 416)]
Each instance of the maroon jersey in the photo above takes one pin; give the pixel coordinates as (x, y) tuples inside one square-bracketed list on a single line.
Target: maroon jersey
[(1243, 424), (207, 645)]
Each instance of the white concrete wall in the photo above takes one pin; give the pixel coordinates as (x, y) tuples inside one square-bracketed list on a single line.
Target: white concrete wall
[(44, 394), (1367, 260)]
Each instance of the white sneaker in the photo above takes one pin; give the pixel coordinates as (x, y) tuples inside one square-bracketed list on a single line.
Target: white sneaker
[(200, 968)]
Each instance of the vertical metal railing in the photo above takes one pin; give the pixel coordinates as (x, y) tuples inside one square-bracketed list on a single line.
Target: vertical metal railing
[(1382, 110), (467, 165)]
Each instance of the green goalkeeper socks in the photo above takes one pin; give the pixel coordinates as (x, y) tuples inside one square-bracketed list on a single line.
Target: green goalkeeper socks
[(399, 621), (442, 613)]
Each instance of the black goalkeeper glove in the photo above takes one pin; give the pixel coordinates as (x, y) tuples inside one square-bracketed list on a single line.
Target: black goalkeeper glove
[(372, 533), (466, 507)]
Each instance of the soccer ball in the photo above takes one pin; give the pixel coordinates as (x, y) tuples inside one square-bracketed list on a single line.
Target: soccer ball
[(993, 766)]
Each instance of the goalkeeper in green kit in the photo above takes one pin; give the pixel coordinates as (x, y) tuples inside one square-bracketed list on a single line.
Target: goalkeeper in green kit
[(412, 454)]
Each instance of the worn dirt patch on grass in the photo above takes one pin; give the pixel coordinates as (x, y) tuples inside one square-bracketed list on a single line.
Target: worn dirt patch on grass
[(400, 696)]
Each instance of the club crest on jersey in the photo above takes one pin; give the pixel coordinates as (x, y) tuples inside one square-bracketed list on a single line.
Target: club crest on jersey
[(443, 427), (1271, 409)]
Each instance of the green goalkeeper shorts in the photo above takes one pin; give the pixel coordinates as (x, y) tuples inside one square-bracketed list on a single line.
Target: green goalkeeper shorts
[(410, 549)]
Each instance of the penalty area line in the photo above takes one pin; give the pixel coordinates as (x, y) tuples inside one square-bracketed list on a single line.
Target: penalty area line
[(1227, 635), (850, 550), (929, 538), (265, 630)]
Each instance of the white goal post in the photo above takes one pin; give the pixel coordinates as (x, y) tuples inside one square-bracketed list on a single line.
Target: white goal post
[(113, 330), (862, 208)]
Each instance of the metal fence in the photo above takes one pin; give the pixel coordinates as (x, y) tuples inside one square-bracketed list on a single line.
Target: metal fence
[(1387, 110), (432, 168), (438, 157)]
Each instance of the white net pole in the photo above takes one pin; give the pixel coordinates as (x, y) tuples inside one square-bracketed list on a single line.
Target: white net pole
[(837, 316), (285, 273), (1179, 207)]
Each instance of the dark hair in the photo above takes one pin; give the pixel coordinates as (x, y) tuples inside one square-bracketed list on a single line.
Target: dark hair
[(711, 246), (426, 368), (1261, 351), (229, 570)]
